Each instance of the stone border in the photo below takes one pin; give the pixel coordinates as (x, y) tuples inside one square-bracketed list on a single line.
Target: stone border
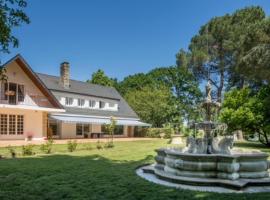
[(145, 173)]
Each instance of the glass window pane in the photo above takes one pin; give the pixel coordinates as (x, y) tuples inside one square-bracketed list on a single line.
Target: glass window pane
[(119, 130), (3, 124), (12, 93), (85, 128), (92, 103), (79, 129), (20, 124), (12, 124), (53, 127), (20, 93), (101, 104)]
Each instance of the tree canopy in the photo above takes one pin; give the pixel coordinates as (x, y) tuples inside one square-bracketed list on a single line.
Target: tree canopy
[(100, 78), (233, 49), (248, 111), (11, 15), (153, 105)]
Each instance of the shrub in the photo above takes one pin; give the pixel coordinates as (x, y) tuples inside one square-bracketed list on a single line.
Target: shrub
[(160, 132), (71, 145), (12, 151), (186, 131), (109, 145), (99, 145), (27, 150), (47, 147)]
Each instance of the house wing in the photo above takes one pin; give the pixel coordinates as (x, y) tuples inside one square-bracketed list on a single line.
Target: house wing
[(35, 79)]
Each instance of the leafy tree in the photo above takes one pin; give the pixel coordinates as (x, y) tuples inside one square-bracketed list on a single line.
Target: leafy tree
[(251, 42), (153, 105), (244, 110), (134, 82), (110, 128), (210, 52), (183, 85), (233, 48), (100, 78), (11, 16)]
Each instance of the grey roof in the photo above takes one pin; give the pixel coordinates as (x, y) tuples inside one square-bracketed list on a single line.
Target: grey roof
[(88, 89)]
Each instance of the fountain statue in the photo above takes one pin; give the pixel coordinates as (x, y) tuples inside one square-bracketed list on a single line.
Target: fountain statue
[(210, 143), (211, 160)]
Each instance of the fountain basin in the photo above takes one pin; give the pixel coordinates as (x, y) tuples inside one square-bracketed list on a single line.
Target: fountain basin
[(238, 171), (252, 165)]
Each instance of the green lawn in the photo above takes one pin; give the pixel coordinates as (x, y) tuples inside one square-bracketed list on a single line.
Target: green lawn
[(93, 174)]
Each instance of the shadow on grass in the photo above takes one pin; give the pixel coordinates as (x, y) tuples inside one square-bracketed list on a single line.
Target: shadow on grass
[(88, 177)]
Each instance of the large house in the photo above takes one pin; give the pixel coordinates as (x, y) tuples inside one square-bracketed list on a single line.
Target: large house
[(36, 106)]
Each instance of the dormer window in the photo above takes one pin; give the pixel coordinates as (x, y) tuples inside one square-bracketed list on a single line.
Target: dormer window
[(111, 105), (69, 101), (92, 103), (101, 104), (81, 102)]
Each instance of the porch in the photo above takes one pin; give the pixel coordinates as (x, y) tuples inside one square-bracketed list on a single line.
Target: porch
[(67, 126)]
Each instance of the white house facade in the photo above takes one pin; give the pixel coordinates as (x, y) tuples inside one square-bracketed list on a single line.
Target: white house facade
[(37, 106)]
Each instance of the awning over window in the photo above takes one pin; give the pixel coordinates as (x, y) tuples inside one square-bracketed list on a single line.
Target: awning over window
[(93, 120)]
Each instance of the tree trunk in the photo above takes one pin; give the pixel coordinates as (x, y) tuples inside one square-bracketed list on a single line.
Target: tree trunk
[(220, 88), (265, 139)]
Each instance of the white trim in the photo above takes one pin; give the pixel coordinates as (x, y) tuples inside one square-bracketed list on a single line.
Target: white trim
[(32, 108)]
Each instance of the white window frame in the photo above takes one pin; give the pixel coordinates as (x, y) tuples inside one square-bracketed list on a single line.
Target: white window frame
[(111, 105), (81, 102), (6, 97), (100, 103), (68, 100), (92, 103), (19, 125)]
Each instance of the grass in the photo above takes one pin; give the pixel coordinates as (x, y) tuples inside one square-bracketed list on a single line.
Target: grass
[(94, 174)]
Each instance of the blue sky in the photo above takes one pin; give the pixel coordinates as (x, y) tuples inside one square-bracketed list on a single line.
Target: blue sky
[(122, 37)]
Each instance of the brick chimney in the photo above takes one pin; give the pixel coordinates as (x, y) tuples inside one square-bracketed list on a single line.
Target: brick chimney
[(64, 75)]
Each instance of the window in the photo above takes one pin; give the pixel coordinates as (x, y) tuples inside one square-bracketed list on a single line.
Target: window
[(13, 93), (119, 130), (20, 93), (69, 101), (82, 129), (20, 124), (81, 102), (4, 124), (11, 124), (101, 104), (53, 127), (79, 129), (111, 105), (92, 103)]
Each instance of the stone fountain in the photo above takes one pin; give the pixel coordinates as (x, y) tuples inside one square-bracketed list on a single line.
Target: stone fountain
[(211, 160)]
